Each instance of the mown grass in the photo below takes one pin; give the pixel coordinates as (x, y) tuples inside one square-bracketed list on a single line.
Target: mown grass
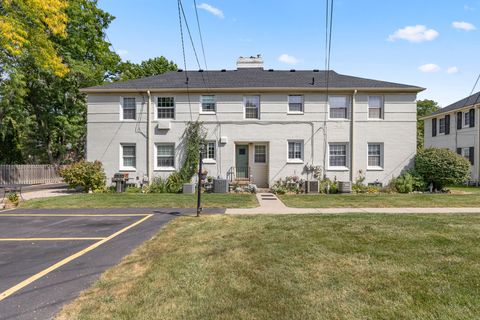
[(139, 200), (296, 267), (460, 197)]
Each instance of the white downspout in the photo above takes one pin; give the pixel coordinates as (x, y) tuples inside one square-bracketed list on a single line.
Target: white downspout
[(149, 138), (352, 137)]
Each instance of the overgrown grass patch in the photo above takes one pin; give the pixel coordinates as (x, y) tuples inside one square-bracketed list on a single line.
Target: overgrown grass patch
[(296, 267)]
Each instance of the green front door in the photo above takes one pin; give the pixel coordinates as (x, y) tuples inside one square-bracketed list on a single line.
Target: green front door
[(241, 161)]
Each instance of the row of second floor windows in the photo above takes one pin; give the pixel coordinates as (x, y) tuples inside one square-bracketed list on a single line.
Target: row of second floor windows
[(339, 106), (441, 126)]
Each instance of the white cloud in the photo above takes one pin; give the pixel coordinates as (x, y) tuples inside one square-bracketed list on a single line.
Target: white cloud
[(468, 8), (213, 10), (418, 33), (462, 25), (429, 67), (288, 59), (452, 70), (122, 52)]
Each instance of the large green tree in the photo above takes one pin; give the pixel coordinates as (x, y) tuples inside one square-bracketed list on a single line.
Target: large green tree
[(46, 105), (424, 108), (151, 67)]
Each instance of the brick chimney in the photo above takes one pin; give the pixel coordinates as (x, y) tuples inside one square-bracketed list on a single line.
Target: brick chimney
[(250, 62)]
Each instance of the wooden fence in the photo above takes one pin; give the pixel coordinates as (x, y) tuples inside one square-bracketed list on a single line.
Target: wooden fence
[(29, 174)]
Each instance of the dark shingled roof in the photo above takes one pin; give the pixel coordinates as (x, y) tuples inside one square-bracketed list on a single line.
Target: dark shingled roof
[(465, 102), (251, 78)]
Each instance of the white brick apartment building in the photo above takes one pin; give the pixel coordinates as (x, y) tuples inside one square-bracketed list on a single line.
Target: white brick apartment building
[(262, 124), (456, 127)]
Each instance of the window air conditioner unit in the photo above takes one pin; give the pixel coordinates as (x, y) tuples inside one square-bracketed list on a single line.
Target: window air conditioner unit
[(163, 125)]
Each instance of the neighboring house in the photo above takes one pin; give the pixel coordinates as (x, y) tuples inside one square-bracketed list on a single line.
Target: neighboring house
[(262, 125), (456, 127)]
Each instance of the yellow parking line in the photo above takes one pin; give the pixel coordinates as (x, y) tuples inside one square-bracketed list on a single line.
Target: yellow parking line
[(63, 262), (51, 239), (73, 215)]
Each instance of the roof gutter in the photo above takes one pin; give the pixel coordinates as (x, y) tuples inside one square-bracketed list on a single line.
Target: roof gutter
[(251, 89)]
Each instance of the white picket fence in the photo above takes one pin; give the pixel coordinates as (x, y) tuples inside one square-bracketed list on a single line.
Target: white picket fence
[(29, 174)]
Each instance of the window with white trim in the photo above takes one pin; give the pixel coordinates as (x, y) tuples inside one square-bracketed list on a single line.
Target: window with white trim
[(252, 107), (129, 156), (260, 154), (375, 107), (166, 108), (466, 153), (295, 150), (441, 125), (165, 155), (129, 108), (208, 104), (466, 119), (339, 106), (209, 151), (295, 104), (375, 155), (337, 155)]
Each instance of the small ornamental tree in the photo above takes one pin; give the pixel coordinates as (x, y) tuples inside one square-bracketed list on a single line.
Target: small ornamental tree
[(88, 175), (194, 137), (442, 167)]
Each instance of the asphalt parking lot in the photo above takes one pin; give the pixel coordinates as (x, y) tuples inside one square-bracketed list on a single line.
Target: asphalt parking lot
[(48, 256)]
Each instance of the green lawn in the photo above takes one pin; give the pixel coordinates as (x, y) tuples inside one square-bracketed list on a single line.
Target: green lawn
[(296, 267), (460, 197), (139, 200)]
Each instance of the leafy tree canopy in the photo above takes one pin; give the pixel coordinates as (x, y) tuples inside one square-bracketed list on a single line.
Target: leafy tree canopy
[(424, 108), (150, 67)]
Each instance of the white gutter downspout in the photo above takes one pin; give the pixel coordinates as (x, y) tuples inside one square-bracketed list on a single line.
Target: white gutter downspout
[(352, 137), (149, 138)]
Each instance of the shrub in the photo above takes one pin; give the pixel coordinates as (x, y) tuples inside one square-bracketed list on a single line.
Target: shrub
[(288, 185), (328, 186), (404, 183), (418, 183), (13, 197), (359, 184), (174, 182), (442, 167), (158, 185), (88, 175)]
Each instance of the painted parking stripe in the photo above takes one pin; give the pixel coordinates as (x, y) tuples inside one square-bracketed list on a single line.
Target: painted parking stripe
[(63, 262), (52, 239), (72, 215)]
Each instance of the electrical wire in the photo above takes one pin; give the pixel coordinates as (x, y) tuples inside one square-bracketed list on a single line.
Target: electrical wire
[(179, 4)]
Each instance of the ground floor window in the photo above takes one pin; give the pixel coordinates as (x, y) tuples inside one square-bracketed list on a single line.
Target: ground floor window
[(128, 156), (165, 155), (338, 155), (295, 150), (260, 154), (375, 155), (209, 151)]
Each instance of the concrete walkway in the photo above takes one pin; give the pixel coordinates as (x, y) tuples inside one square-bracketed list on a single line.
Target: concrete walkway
[(270, 204)]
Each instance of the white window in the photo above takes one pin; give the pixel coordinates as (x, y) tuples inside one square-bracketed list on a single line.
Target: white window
[(260, 155), (252, 107), (375, 155), (128, 159), (295, 151), (165, 156), (209, 151), (208, 104), (337, 155), (166, 108), (129, 109), (339, 106), (466, 153), (295, 104), (442, 125), (466, 119), (375, 107)]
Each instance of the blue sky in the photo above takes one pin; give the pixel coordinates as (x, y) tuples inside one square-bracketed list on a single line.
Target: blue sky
[(430, 43)]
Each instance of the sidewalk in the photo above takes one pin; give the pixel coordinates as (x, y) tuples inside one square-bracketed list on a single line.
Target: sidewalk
[(270, 204)]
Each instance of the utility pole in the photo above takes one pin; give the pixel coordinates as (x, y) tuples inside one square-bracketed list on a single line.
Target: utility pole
[(199, 187)]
